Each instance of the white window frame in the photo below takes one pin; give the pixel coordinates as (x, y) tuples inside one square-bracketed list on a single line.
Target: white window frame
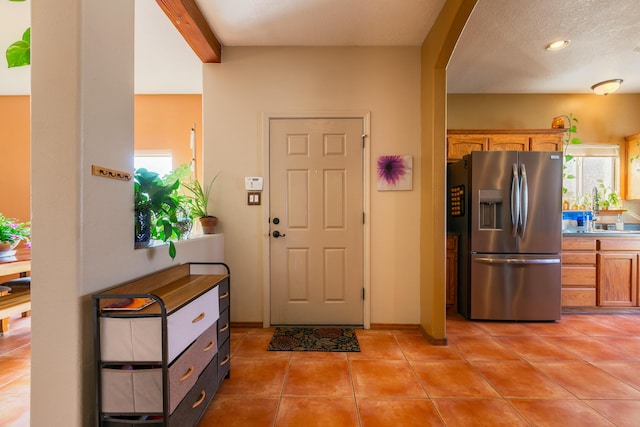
[(594, 150), (155, 153)]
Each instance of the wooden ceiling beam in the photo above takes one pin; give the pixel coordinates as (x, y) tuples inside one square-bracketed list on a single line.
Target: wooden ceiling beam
[(188, 19)]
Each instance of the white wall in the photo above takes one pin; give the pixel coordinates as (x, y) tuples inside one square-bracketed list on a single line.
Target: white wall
[(81, 115), (14, 20), (251, 82)]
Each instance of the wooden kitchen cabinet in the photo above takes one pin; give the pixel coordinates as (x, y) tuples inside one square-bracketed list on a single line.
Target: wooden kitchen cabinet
[(509, 143), (632, 166), (452, 269), (546, 142), (460, 145), (578, 271), (463, 141), (618, 272)]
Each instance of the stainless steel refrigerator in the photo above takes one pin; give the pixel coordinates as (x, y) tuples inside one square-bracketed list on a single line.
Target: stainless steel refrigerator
[(506, 207)]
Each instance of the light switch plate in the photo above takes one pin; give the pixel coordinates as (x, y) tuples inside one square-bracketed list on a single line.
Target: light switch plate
[(253, 197)]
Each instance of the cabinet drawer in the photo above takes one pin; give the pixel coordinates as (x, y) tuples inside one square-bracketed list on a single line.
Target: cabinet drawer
[(578, 244), (579, 297), (224, 360), (140, 390), (131, 390), (224, 295), (619, 244), (185, 371), (579, 276), (579, 258), (139, 339), (196, 401), (224, 327)]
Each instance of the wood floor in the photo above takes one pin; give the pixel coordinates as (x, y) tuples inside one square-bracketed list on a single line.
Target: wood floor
[(582, 370)]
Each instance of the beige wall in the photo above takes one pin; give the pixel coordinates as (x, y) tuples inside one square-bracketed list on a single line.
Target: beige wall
[(256, 81), (605, 119), (602, 119)]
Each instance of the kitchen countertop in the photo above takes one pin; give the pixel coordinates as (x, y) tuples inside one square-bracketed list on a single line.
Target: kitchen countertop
[(630, 232)]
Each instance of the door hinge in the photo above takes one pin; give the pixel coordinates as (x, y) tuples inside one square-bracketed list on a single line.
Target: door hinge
[(363, 293), (363, 137), (363, 217)]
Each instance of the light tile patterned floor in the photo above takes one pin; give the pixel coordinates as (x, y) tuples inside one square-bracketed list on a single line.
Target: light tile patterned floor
[(582, 370)]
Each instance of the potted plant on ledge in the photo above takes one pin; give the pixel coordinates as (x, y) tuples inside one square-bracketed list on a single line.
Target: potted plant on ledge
[(199, 200), (155, 203), (11, 233)]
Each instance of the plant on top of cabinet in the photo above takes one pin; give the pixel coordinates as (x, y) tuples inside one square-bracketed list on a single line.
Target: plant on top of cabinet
[(569, 140)]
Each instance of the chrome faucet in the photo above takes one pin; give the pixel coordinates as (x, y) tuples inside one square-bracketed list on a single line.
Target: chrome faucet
[(596, 205)]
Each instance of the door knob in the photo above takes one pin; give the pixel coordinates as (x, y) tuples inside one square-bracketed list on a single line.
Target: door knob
[(277, 234)]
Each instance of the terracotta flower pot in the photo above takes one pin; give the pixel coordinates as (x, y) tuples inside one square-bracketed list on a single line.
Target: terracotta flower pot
[(208, 224)]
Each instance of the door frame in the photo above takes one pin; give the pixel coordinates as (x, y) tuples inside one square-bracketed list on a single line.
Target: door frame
[(366, 198)]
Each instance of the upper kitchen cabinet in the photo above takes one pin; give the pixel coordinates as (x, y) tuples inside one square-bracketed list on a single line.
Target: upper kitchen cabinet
[(633, 166), (463, 141)]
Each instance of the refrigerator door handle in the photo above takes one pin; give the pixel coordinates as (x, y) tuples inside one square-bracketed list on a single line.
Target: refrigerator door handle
[(524, 204), (515, 200), (488, 260)]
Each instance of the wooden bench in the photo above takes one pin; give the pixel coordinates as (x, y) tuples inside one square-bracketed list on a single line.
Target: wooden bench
[(17, 302)]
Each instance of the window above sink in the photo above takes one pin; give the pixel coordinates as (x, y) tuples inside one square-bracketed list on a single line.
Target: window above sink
[(592, 166)]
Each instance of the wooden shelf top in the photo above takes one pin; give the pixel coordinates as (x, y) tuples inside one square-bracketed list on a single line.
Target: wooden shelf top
[(174, 286)]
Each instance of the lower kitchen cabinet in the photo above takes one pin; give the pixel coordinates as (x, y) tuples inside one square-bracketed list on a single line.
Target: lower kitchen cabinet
[(600, 271), (618, 272), (452, 270), (578, 272)]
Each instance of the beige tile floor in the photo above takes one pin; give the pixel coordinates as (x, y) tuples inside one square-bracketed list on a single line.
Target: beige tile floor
[(581, 371)]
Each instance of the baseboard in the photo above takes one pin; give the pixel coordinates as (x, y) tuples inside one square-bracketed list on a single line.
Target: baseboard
[(601, 310), (432, 340), (247, 325), (401, 326)]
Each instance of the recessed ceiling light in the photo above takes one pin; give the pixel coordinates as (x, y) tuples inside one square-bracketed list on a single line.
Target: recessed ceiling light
[(557, 45)]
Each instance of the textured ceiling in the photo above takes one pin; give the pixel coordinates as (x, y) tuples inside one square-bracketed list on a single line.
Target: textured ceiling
[(501, 49)]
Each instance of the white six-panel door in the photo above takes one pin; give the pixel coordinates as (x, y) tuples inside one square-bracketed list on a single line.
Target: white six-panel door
[(316, 213)]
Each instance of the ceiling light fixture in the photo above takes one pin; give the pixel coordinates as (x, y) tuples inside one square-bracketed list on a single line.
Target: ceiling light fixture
[(606, 87), (558, 45)]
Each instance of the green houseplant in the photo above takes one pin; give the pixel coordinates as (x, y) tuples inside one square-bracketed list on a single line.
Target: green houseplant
[(18, 54), (156, 203), (570, 139), (11, 233), (199, 199)]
